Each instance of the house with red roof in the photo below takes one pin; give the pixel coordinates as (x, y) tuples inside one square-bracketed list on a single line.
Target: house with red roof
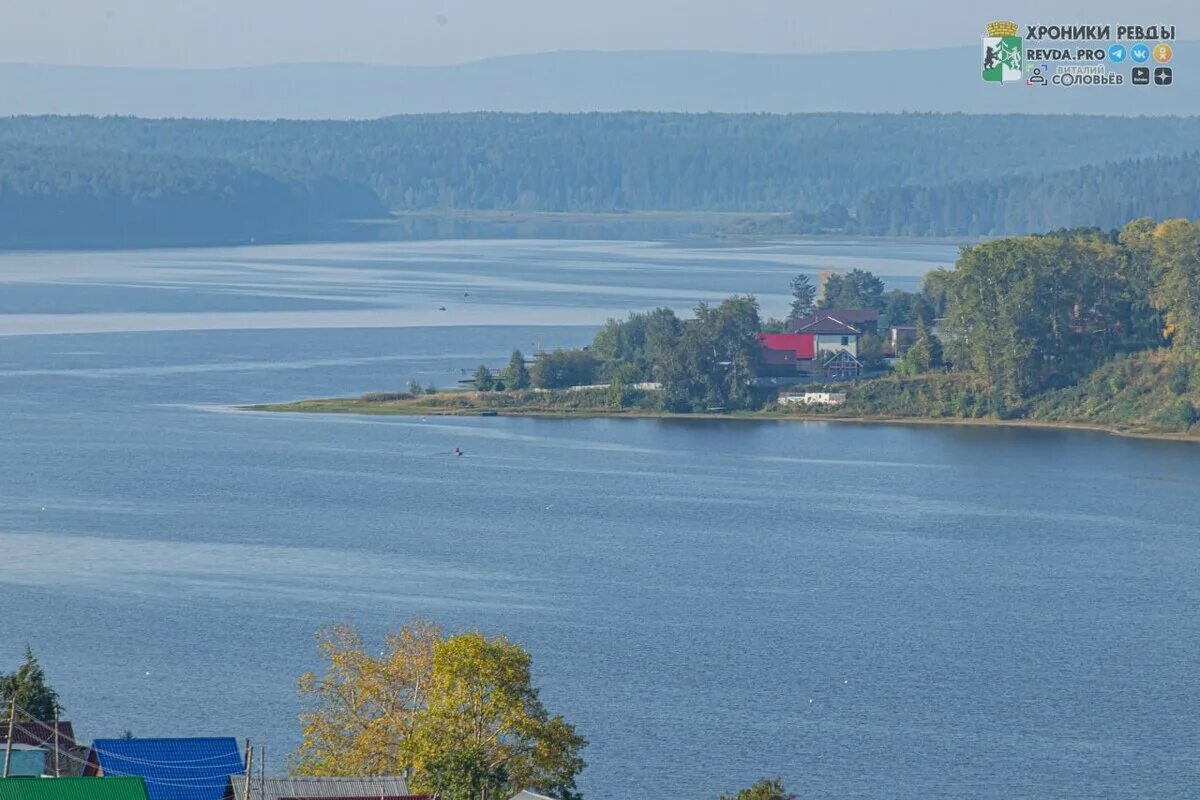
[(825, 347)]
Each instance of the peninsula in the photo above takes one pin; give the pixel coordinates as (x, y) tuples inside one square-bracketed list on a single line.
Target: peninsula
[(1076, 328)]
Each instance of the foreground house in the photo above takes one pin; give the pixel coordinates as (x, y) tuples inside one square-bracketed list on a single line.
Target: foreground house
[(302, 788), (173, 769), (72, 789)]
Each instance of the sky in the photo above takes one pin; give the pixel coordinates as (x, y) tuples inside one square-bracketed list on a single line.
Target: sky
[(230, 33)]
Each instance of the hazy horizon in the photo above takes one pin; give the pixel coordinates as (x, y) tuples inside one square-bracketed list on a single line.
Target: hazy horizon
[(229, 33)]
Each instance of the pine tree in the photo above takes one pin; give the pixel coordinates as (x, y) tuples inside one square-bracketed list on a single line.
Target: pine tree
[(28, 687)]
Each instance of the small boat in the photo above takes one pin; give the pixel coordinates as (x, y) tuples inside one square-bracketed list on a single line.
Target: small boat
[(489, 412)]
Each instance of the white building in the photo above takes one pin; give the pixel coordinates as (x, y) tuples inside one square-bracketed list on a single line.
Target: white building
[(814, 399), (832, 335)]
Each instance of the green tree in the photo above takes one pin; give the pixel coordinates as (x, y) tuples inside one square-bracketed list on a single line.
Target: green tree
[(804, 296), (765, 789), (1177, 285), (1035, 312), (27, 686), (431, 388), (485, 726), (483, 379), (465, 773), (561, 369), (856, 289), (905, 308), (714, 358), (516, 374), (1143, 318), (633, 346), (414, 387), (924, 354), (870, 352)]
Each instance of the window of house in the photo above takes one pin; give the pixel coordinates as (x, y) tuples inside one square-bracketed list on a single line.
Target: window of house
[(845, 341)]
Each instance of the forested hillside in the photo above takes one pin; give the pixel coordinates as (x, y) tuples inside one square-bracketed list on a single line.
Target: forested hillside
[(1102, 196), (1099, 195), (633, 161), (117, 181), (1075, 326), (64, 197)]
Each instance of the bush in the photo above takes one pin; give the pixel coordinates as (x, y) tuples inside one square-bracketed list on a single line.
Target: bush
[(484, 380), (386, 397)]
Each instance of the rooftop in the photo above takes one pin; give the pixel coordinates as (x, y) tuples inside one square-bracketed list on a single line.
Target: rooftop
[(799, 343), (174, 769), (72, 789), (292, 788), (829, 326)]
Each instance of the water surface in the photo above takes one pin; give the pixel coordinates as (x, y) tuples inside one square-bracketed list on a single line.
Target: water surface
[(865, 610)]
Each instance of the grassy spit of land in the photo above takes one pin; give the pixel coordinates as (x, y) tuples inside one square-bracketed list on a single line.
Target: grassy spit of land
[(1140, 395)]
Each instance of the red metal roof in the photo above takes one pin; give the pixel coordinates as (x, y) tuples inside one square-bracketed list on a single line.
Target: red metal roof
[(802, 344)]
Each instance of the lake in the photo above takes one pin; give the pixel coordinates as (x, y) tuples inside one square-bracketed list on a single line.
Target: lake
[(866, 610)]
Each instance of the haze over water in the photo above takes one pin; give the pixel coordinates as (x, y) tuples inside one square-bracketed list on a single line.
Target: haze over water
[(868, 611)]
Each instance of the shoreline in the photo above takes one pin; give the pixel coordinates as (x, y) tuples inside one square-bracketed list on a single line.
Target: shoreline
[(344, 406)]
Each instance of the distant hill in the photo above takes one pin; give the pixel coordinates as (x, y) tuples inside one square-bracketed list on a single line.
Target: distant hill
[(634, 161), (1102, 196), (126, 181), (68, 197), (943, 80)]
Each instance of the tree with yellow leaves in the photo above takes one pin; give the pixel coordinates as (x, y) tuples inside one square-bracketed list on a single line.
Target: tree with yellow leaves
[(458, 714), (365, 706)]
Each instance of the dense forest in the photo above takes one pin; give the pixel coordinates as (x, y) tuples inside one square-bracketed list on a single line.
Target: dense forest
[(62, 197), (1102, 195), (1074, 326), (90, 180)]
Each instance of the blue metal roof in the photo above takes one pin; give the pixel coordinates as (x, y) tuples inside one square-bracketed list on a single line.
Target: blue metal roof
[(174, 769)]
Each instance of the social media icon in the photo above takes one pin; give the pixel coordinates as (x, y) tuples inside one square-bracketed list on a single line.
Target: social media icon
[(1141, 76), (1116, 53), (1162, 76), (1140, 53), (1163, 53)]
